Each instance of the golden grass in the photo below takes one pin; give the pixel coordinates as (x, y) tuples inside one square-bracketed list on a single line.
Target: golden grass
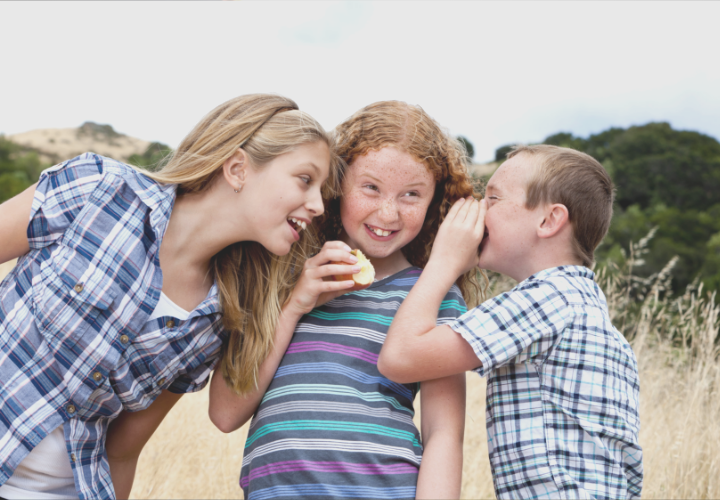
[(675, 340)]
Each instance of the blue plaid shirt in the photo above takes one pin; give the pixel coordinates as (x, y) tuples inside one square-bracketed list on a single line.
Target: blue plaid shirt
[(76, 346), (562, 393)]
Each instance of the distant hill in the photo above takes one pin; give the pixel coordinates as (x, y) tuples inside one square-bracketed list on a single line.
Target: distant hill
[(57, 144)]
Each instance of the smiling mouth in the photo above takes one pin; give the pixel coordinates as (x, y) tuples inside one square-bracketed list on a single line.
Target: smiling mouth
[(379, 231), (296, 224)]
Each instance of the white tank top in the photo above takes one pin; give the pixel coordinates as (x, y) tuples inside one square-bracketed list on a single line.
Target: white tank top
[(45, 473)]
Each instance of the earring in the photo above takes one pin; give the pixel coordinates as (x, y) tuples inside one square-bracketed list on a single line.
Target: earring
[(238, 189)]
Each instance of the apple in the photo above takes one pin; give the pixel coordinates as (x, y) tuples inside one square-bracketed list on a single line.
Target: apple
[(364, 278)]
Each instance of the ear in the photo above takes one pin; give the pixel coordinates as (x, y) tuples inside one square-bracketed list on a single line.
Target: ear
[(235, 169), (556, 218)]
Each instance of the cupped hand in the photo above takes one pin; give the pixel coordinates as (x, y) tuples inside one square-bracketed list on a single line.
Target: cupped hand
[(315, 288), (459, 236)]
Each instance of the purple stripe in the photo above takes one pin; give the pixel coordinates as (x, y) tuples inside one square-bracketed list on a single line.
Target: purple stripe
[(334, 348), (415, 271), (340, 467)]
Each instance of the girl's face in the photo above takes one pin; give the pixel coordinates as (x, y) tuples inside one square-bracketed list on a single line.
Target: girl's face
[(287, 188), (386, 194)]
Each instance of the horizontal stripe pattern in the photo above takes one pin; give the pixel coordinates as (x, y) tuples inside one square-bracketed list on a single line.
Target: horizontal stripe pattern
[(330, 424), (327, 490), (339, 467)]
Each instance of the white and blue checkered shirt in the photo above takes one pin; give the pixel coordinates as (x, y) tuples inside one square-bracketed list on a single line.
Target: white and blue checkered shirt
[(76, 346), (562, 393)]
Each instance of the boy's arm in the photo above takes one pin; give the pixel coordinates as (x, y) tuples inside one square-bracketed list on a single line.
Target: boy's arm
[(127, 436), (415, 349), (443, 427)]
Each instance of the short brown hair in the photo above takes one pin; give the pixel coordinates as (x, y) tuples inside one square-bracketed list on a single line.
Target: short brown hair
[(410, 129), (579, 182)]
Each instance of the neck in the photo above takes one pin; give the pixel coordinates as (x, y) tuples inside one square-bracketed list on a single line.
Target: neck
[(195, 232)]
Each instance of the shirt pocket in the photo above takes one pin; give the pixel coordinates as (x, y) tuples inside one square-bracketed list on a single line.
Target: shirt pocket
[(71, 294)]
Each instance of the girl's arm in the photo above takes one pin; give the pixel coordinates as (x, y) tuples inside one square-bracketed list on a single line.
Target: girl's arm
[(127, 436), (228, 411), (442, 410), (14, 218), (415, 349)]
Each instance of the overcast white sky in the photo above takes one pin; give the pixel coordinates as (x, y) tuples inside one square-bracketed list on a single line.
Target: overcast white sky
[(496, 73)]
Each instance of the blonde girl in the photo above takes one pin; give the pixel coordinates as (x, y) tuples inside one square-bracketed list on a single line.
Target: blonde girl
[(329, 424), (128, 282)]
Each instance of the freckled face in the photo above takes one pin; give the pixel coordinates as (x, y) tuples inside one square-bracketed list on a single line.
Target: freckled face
[(510, 227), (386, 195)]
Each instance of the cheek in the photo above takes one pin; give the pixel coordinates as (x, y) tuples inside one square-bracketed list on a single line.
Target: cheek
[(356, 207), (413, 218)]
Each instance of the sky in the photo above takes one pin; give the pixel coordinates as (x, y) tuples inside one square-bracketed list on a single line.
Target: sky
[(495, 72)]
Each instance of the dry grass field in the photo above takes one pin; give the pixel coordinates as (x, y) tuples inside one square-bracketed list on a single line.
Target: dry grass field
[(675, 340)]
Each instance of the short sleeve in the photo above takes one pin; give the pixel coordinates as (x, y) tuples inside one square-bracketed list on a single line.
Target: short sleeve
[(61, 193), (453, 306), (515, 327)]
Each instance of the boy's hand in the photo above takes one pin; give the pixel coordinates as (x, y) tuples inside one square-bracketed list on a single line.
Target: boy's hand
[(313, 290), (459, 237)]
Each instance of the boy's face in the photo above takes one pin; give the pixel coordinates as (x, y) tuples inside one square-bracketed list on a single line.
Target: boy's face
[(510, 228)]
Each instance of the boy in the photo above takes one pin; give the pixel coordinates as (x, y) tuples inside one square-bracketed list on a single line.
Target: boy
[(562, 394)]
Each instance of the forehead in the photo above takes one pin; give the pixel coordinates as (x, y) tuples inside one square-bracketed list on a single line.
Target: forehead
[(513, 175), (391, 165)]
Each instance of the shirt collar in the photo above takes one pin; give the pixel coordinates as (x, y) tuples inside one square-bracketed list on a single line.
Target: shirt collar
[(578, 271)]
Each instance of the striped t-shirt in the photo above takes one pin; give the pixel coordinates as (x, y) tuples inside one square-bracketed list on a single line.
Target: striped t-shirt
[(330, 425)]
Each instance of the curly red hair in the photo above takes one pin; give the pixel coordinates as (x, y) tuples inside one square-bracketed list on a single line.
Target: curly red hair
[(410, 129)]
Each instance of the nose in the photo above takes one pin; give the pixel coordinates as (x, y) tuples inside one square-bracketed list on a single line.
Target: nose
[(388, 211), (314, 203)]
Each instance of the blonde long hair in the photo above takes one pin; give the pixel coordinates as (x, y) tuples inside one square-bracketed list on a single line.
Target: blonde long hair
[(409, 128), (253, 283)]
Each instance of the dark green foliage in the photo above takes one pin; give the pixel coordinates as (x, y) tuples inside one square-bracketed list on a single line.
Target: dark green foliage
[(502, 151), (665, 178), (19, 168), (469, 148), (152, 158)]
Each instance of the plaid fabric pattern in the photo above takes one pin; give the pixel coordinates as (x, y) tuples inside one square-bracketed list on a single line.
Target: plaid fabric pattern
[(562, 393), (76, 346)]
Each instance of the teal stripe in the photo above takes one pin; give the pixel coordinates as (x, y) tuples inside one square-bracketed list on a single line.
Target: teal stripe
[(453, 304), (338, 390), (373, 318), (330, 425)]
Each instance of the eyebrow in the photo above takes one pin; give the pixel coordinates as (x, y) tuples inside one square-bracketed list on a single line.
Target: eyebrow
[(419, 183)]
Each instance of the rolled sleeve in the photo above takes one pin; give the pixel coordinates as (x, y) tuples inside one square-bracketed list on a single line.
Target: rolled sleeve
[(61, 193), (515, 327)]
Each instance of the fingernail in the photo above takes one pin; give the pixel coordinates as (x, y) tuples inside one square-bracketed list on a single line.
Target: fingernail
[(353, 259), (348, 249), (356, 269)]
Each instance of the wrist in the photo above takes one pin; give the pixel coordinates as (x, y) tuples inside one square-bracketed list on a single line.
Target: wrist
[(442, 276)]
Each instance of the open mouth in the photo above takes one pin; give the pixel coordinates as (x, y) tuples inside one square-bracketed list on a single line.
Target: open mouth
[(379, 232), (296, 224)]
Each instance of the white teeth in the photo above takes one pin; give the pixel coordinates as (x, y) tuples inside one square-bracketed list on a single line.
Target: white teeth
[(300, 224), (380, 232)]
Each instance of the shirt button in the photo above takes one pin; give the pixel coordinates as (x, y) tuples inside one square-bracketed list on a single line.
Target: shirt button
[(79, 287), (71, 409), (161, 381), (72, 456), (124, 339), (97, 376), (170, 323)]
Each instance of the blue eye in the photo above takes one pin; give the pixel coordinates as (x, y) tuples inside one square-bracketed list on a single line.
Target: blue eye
[(305, 179)]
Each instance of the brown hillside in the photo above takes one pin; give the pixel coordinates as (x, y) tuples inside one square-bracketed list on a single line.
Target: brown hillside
[(57, 144)]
